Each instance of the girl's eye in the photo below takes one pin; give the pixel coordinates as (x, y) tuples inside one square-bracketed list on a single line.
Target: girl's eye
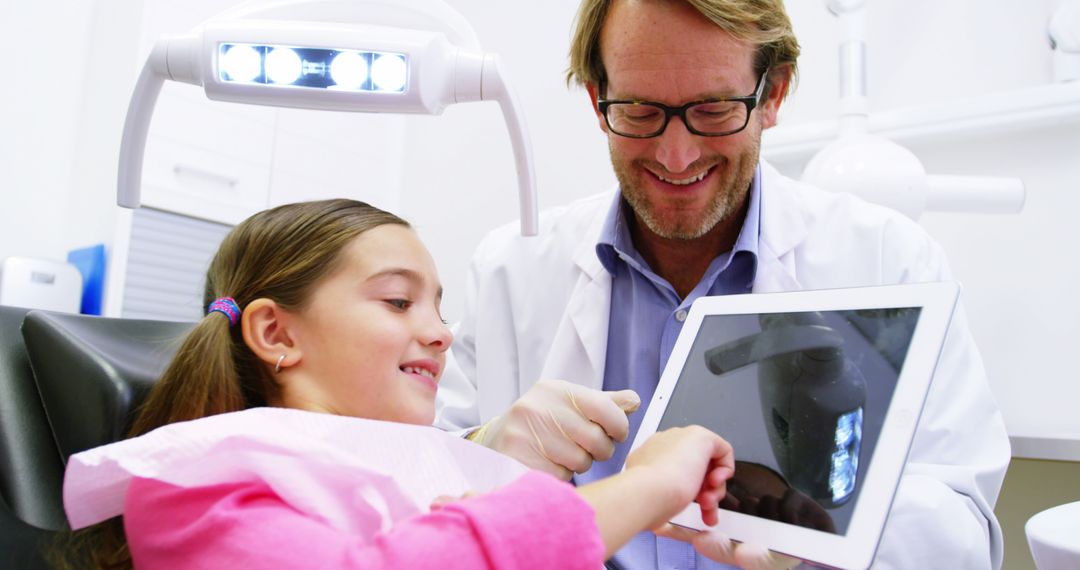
[(401, 304)]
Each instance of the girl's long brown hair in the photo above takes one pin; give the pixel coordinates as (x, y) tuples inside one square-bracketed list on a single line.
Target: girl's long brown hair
[(279, 254)]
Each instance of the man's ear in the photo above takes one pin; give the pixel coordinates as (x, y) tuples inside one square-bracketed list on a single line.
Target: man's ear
[(594, 95), (267, 332), (779, 83)]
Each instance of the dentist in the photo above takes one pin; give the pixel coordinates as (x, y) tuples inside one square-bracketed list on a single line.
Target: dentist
[(560, 328)]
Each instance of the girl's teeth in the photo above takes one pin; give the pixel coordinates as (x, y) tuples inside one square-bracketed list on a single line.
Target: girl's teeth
[(420, 371)]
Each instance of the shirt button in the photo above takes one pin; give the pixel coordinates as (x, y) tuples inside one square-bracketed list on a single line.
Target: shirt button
[(680, 315)]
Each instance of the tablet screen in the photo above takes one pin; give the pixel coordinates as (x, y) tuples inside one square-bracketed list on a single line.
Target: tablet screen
[(802, 398)]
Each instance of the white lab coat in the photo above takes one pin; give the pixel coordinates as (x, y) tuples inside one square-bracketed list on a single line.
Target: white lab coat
[(538, 308)]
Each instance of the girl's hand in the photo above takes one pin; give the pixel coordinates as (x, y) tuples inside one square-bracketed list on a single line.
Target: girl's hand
[(691, 464), (443, 500)]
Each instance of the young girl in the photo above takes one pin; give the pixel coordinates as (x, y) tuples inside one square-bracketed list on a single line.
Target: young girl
[(332, 307)]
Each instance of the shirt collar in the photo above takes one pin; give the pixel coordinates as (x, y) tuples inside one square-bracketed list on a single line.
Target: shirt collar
[(615, 242)]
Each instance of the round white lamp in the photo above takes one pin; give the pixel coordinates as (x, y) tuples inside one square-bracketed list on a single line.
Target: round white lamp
[(874, 168), (1064, 33)]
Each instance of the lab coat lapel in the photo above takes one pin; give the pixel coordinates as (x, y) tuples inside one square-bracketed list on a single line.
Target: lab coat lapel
[(783, 227), (579, 349)]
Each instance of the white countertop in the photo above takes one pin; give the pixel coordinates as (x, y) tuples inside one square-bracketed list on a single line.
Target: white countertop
[(1064, 447)]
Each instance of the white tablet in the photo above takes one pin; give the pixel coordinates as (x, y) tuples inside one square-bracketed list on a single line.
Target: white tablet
[(819, 393)]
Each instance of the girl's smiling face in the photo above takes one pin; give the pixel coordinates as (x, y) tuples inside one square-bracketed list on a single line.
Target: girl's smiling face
[(371, 341)]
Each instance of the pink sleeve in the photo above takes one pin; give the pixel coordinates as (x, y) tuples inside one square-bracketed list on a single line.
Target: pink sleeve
[(535, 522)]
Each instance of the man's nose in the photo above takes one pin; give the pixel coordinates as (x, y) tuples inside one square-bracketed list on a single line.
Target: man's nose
[(677, 148)]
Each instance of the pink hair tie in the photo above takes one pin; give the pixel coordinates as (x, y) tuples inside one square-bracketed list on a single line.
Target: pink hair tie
[(226, 306)]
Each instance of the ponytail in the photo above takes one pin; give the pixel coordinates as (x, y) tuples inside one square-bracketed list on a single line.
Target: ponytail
[(202, 379)]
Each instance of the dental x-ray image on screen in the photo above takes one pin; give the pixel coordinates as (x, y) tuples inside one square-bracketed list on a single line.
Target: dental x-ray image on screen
[(802, 397)]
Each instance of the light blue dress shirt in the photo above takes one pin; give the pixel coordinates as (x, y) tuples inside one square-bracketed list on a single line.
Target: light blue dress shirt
[(646, 317)]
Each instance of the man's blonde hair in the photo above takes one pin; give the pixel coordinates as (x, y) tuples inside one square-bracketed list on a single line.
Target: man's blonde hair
[(763, 23)]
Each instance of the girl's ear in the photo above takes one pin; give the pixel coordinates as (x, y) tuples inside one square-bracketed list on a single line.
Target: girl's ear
[(267, 332)]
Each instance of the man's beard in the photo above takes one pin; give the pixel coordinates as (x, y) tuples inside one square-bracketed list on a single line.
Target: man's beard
[(730, 189)]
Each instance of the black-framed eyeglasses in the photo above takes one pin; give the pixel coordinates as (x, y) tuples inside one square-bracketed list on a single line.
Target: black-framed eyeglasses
[(708, 118)]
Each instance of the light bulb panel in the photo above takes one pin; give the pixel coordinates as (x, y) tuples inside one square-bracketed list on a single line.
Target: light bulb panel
[(296, 64), (313, 68)]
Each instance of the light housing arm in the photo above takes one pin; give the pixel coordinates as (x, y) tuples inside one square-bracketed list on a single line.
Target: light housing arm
[(137, 126), (495, 89)]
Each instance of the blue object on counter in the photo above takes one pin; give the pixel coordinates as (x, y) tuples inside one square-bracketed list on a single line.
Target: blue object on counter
[(91, 263)]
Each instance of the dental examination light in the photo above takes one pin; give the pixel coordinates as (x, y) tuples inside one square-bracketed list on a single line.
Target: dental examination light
[(375, 56), (878, 169)]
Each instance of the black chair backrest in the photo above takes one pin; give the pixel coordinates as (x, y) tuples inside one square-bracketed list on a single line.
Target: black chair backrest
[(24, 546), (31, 470), (93, 372)]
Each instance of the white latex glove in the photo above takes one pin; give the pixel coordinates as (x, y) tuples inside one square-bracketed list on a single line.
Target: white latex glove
[(716, 545), (560, 428)]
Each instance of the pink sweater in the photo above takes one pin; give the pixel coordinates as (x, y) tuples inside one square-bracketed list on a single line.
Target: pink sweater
[(535, 522)]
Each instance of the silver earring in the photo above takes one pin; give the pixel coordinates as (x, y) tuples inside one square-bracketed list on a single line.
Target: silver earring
[(277, 367)]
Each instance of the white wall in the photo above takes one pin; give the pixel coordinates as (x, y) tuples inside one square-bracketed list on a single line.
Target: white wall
[(59, 131), (459, 178), (48, 100)]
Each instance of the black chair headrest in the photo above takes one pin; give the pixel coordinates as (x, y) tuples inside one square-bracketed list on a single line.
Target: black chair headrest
[(30, 467), (93, 372)]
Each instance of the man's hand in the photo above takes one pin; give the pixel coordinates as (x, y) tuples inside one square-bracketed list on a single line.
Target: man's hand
[(560, 428), (715, 545)]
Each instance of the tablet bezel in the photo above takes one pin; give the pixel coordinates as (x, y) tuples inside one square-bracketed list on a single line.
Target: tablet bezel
[(855, 549)]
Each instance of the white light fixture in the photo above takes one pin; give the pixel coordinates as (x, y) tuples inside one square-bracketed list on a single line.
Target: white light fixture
[(349, 70), (283, 65), (241, 63), (1064, 31), (379, 56), (881, 171), (389, 72)]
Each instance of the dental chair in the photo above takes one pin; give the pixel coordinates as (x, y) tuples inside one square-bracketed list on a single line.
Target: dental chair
[(31, 470), (92, 372), (67, 383)]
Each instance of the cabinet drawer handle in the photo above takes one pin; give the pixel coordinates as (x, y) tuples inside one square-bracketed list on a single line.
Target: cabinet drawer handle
[(184, 170)]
